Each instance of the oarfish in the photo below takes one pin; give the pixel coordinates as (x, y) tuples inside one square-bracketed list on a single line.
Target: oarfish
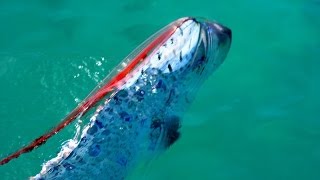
[(141, 103)]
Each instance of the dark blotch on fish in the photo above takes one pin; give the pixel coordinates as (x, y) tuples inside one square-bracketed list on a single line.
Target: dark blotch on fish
[(99, 124), (120, 96), (181, 31), (122, 160), (68, 166), (125, 116), (108, 109), (156, 123), (169, 67), (92, 129), (94, 150), (161, 85), (172, 125)]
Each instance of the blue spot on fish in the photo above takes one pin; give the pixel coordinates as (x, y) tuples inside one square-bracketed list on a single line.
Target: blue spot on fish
[(94, 150), (93, 129), (161, 85), (122, 160), (125, 116), (99, 124)]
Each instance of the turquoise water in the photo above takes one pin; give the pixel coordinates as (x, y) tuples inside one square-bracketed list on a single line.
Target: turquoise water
[(257, 117)]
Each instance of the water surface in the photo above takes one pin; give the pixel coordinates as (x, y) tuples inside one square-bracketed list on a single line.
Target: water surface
[(257, 117)]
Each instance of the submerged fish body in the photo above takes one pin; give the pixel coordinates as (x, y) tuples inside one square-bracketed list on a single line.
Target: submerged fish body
[(140, 116)]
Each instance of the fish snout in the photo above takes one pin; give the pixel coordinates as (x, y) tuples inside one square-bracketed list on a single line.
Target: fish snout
[(223, 33)]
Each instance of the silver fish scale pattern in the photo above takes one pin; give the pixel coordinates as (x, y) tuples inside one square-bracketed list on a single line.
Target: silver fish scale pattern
[(131, 123)]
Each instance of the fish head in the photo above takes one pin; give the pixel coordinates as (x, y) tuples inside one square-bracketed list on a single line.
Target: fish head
[(196, 45), (206, 48), (188, 56)]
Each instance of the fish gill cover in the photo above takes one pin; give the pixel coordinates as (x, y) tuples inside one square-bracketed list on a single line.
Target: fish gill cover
[(139, 105)]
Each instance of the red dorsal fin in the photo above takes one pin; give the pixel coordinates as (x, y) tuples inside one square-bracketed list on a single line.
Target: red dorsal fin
[(98, 95)]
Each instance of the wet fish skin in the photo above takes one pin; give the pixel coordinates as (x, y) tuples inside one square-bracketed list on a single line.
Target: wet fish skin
[(141, 116)]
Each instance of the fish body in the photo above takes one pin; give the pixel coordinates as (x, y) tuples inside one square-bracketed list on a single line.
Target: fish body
[(140, 116)]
